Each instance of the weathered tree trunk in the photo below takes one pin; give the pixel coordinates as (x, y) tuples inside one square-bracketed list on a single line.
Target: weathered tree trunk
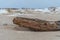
[(34, 24)]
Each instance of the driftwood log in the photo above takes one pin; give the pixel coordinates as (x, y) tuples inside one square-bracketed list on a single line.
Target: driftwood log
[(34, 24)]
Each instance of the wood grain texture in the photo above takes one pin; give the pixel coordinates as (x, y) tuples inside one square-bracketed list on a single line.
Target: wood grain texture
[(34, 24)]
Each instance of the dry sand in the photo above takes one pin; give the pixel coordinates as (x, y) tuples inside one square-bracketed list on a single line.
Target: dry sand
[(9, 31)]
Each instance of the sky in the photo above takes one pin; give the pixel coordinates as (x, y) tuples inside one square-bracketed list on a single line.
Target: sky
[(29, 3)]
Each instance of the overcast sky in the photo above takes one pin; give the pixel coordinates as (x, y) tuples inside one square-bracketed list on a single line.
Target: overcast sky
[(28, 3)]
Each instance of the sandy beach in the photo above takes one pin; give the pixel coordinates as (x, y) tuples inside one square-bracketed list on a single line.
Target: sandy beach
[(9, 31)]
